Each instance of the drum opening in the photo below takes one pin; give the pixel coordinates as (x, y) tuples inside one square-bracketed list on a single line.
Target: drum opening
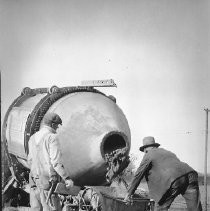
[(112, 142)]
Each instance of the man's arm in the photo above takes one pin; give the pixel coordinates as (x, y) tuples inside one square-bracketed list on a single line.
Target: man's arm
[(29, 158), (140, 173), (56, 161), (56, 157)]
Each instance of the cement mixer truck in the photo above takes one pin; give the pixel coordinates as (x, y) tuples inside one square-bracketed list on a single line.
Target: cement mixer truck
[(94, 132)]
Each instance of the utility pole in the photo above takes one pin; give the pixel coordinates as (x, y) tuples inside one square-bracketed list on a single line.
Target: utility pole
[(205, 162)]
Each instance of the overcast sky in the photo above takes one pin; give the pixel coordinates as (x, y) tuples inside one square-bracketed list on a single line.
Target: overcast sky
[(157, 52)]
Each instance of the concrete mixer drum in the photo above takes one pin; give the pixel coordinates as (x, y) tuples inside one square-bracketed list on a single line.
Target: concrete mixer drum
[(93, 125)]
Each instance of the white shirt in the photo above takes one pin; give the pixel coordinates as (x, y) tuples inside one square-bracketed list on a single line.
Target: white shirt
[(44, 156)]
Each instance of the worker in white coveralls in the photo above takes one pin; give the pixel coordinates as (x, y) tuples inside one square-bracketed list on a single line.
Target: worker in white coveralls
[(45, 161)]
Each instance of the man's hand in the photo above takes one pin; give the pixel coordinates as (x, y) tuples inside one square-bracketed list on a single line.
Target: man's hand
[(69, 183)]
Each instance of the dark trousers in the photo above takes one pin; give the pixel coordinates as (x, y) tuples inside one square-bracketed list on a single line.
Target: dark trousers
[(187, 186)]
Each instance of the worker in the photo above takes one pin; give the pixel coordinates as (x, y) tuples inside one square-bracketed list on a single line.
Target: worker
[(166, 176), (46, 164)]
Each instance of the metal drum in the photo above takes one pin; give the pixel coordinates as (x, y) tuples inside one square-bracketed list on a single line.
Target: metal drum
[(93, 125)]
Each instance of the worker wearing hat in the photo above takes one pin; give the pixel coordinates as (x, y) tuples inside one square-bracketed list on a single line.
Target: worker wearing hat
[(166, 176), (46, 164)]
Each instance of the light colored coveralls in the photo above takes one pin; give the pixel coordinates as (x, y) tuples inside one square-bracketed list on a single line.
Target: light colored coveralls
[(44, 159)]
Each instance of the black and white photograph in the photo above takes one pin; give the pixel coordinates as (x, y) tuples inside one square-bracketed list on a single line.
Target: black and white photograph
[(105, 105)]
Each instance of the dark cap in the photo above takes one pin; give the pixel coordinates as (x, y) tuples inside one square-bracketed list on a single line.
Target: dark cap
[(50, 118)]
